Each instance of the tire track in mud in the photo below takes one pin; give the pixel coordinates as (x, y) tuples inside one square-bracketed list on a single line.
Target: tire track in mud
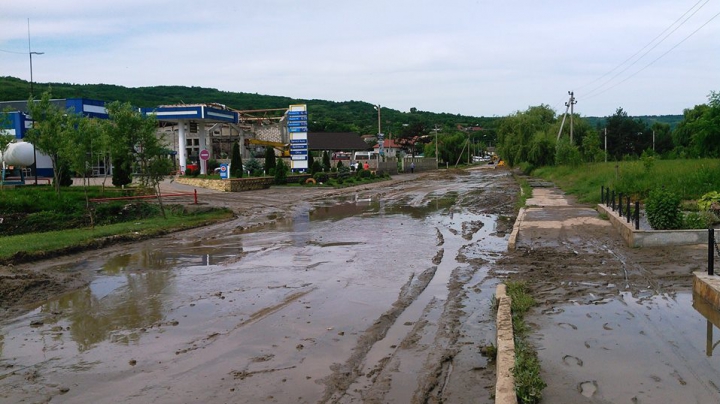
[(346, 373)]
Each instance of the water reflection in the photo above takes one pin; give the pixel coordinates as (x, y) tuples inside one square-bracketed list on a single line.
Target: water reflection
[(108, 307), (712, 318)]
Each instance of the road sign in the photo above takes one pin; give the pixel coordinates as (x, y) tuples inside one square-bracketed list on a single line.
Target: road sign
[(223, 171), (204, 154)]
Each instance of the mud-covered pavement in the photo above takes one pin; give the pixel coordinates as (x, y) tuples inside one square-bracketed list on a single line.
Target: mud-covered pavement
[(614, 324), (374, 294)]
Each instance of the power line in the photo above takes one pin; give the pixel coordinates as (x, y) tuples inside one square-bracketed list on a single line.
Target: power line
[(17, 53), (658, 58), (641, 49), (590, 93)]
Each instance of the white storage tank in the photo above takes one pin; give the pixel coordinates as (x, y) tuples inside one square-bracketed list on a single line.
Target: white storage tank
[(18, 154)]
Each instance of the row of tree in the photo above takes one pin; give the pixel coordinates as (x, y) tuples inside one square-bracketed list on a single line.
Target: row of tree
[(539, 137), (73, 142)]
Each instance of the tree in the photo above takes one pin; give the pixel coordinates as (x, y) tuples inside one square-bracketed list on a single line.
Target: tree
[(625, 135), (236, 167), (410, 135), (135, 141), (123, 131), (311, 162), (326, 161), (280, 172), (50, 133), (706, 129), (88, 132), (517, 131)]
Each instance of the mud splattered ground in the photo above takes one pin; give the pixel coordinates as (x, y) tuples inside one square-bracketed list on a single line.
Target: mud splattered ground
[(375, 294), (614, 324)]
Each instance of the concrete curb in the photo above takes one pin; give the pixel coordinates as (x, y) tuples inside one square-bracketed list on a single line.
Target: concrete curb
[(707, 287), (512, 241), (652, 238), (505, 383)]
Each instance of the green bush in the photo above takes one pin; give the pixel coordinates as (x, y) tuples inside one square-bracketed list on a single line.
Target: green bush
[(280, 172), (699, 220), (321, 177), (365, 174), (663, 210), (705, 202)]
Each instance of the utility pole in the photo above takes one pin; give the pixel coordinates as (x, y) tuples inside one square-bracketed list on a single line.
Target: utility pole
[(653, 140), (437, 158), (570, 104), (606, 145)]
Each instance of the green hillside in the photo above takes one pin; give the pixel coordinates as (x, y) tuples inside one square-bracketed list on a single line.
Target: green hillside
[(324, 116)]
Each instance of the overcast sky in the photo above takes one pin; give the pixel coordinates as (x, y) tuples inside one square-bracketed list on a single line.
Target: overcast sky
[(480, 58)]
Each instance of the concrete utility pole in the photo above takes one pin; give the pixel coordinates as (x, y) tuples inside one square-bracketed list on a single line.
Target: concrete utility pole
[(606, 145), (437, 158), (570, 104)]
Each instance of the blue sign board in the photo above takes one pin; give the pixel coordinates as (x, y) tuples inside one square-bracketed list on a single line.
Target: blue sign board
[(298, 129), (298, 152), (298, 141), (292, 124), (297, 112), (302, 146), (297, 118), (224, 172)]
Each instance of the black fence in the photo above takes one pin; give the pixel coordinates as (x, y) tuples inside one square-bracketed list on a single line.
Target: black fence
[(623, 204)]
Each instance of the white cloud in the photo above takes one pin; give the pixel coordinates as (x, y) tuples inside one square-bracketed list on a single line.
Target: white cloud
[(480, 58)]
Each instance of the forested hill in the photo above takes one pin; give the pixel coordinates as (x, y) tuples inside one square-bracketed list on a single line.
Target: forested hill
[(672, 120), (324, 116)]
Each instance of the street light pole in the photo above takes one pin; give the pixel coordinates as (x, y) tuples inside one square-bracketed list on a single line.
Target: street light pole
[(31, 53), (379, 139)]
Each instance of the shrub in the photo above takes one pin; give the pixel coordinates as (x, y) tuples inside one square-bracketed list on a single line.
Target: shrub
[(365, 174), (236, 166), (280, 172), (321, 177), (706, 201), (343, 171), (699, 220), (663, 210)]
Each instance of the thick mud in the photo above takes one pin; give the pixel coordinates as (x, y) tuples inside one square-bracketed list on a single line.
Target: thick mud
[(373, 294), (614, 324), (376, 294)]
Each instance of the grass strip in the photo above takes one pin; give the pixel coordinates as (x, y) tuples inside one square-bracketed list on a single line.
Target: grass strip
[(525, 194), (34, 246), (528, 383)]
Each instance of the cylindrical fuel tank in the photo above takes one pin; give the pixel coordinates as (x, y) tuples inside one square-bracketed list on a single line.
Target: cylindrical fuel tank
[(18, 154)]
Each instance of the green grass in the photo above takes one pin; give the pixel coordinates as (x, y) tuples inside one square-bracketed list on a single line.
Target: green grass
[(689, 179), (528, 383), (44, 244), (526, 193)]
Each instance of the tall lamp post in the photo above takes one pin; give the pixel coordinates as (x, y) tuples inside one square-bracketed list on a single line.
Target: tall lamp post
[(379, 138), (31, 53)]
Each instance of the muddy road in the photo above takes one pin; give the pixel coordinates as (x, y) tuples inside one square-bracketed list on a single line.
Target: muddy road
[(614, 324), (377, 294)]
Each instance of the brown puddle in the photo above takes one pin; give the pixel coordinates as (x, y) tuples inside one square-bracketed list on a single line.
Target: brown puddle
[(645, 349), (268, 314)]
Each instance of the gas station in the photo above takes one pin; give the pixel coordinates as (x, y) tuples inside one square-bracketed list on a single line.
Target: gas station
[(192, 128)]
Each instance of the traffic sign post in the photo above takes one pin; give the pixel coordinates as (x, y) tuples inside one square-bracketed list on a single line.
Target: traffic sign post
[(204, 157)]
